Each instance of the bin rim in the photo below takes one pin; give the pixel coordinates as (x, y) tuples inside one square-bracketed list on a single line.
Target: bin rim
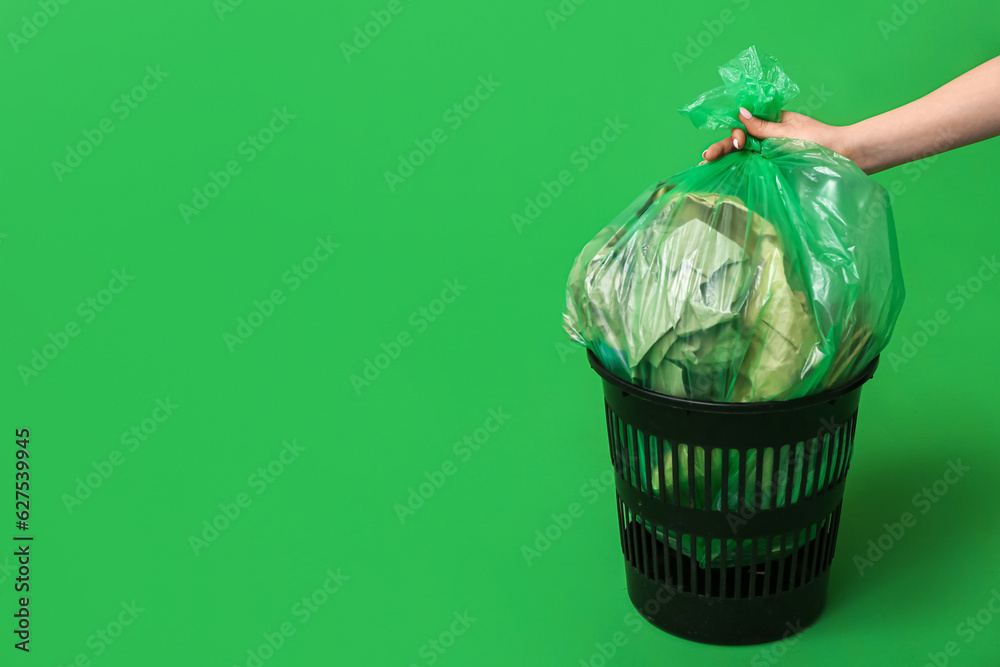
[(732, 408)]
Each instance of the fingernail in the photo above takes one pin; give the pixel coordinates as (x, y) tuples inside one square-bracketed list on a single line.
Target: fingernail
[(703, 153), (702, 162), (745, 113), (736, 143)]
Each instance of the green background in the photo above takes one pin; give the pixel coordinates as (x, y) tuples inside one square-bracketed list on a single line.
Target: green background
[(497, 346)]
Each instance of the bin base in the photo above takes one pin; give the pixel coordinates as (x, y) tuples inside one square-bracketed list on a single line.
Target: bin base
[(726, 621)]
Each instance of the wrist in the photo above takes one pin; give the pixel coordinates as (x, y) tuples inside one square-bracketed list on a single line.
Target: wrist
[(848, 141)]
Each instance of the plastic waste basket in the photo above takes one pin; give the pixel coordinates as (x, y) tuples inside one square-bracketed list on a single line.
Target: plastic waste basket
[(728, 512)]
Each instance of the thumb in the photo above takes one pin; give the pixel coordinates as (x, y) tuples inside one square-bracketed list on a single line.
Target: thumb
[(762, 129)]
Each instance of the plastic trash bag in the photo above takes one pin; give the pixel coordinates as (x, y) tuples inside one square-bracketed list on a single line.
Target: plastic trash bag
[(769, 274)]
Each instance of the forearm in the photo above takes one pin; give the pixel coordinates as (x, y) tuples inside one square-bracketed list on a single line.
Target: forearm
[(963, 111)]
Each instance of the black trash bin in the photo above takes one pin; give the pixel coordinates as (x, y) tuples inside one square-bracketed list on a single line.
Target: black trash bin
[(718, 564)]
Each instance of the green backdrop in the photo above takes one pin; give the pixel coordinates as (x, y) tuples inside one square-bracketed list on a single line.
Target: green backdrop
[(283, 310)]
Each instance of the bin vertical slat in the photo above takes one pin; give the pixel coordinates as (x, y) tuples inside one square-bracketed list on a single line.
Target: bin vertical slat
[(780, 563), (693, 542), (815, 461), (845, 444), (807, 458), (789, 480), (690, 474), (738, 557), (615, 427), (807, 549), (833, 539), (629, 553), (724, 568), (769, 564), (724, 490), (634, 541), (647, 548), (707, 480), (758, 480), (724, 507), (817, 552), (623, 448), (850, 440), (708, 566), (633, 455), (674, 463), (829, 444), (614, 442), (825, 564), (810, 548), (741, 482), (839, 447), (820, 547), (679, 562), (655, 547), (647, 448), (793, 565), (611, 437), (661, 468), (621, 522)]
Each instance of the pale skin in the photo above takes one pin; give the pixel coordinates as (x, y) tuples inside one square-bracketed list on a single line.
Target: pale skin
[(961, 112)]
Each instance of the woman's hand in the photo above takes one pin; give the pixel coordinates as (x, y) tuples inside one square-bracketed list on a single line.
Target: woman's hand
[(792, 125), (961, 112)]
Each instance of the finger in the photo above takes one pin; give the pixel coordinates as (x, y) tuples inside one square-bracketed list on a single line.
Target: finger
[(761, 129), (739, 139), (719, 149)]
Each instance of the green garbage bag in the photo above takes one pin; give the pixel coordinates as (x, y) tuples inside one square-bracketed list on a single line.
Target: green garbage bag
[(769, 274)]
